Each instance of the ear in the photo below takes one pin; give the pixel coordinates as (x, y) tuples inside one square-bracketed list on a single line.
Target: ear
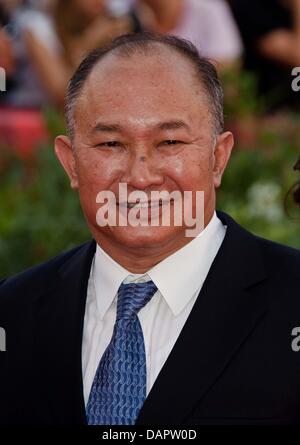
[(224, 145), (65, 154)]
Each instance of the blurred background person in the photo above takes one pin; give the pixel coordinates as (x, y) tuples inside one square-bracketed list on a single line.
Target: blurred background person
[(207, 23), (6, 50), (28, 90), (6, 53), (22, 124), (43, 43), (270, 30), (50, 39), (296, 192), (80, 26)]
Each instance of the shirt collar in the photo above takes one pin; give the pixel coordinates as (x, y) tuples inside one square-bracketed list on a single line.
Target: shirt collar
[(108, 276), (177, 277), (180, 275)]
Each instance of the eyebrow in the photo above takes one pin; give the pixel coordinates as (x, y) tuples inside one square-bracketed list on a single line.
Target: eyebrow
[(116, 128), (107, 128), (173, 125)]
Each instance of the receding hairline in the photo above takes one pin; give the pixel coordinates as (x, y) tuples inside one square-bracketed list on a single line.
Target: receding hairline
[(118, 53), (157, 46)]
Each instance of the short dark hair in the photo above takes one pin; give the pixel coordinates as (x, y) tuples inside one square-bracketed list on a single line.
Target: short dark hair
[(129, 44)]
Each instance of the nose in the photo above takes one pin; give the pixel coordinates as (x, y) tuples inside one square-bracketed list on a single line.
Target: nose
[(142, 172)]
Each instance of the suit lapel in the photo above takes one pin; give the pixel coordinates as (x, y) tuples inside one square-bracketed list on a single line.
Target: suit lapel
[(225, 313), (59, 315)]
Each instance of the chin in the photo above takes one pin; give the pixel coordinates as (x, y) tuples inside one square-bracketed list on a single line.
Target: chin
[(147, 237)]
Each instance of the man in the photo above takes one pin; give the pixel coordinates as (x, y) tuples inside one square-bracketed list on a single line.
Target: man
[(145, 325)]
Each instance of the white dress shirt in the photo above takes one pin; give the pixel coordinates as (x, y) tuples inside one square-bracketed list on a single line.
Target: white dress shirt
[(179, 279)]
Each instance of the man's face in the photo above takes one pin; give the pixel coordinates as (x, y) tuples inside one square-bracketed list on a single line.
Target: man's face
[(143, 121)]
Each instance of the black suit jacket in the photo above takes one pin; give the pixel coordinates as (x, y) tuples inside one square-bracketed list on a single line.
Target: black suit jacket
[(233, 362)]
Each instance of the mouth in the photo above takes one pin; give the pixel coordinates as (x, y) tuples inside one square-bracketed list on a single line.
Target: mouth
[(141, 205)]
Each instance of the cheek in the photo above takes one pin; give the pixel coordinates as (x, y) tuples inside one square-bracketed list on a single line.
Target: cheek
[(97, 173), (192, 171)]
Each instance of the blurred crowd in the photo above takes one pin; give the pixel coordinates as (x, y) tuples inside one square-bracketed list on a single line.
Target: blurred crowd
[(42, 41)]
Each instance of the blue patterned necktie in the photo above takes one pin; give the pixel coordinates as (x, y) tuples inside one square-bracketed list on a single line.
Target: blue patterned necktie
[(119, 387)]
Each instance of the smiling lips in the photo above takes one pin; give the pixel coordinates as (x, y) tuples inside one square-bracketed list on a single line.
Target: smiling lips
[(142, 205)]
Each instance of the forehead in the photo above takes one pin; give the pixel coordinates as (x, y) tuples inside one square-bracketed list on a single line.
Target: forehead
[(142, 85)]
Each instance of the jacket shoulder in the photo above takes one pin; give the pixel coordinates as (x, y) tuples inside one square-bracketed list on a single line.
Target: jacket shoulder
[(282, 265), (275, 255), (279, 256), (29, 282)]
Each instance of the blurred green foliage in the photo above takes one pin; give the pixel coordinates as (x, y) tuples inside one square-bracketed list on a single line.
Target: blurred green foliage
[(240, 98), (255, 192), (40, 214)]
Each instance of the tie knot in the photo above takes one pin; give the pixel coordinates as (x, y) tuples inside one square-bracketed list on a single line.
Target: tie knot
[(132, 297)]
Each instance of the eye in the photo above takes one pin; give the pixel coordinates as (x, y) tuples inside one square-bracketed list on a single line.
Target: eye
[(172, 142), (109, 144)]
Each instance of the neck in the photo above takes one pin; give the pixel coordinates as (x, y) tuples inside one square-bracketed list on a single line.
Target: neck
[(139, 260)]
